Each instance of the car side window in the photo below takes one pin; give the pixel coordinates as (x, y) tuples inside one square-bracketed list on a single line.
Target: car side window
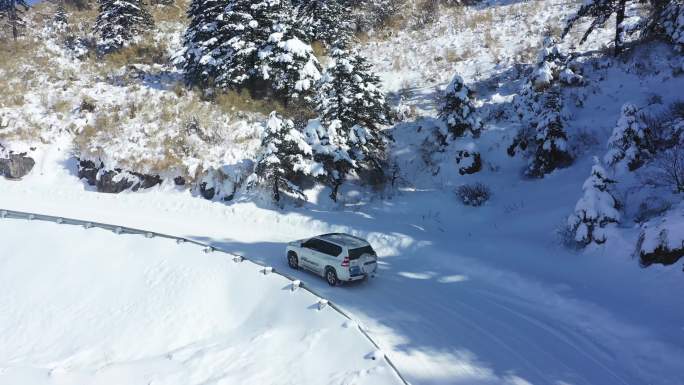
[(330, 249), (310, 244)]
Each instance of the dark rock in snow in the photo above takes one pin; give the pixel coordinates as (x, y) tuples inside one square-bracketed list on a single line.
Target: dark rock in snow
[(179, 181), (114, 181), (16, 166), (88, 170), (207, 193)]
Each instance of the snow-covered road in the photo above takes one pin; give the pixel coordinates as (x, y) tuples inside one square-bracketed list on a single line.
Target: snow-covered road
[(469, 296)]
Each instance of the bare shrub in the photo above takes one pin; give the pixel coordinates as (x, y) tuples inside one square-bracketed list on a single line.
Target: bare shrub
[(668, 168), (473, 194)]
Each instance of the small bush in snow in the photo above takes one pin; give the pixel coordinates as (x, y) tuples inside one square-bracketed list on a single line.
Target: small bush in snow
[(596, 209), (458, 111), (469, 161), (473, 194)]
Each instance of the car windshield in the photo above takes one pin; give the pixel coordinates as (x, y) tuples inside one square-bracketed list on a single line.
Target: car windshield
[(356, 253)]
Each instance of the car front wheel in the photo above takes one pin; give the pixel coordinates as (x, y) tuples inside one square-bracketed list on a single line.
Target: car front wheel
[(292, 260), (331, 277)]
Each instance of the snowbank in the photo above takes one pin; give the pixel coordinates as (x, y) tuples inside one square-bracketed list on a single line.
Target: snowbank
[(89, 306)]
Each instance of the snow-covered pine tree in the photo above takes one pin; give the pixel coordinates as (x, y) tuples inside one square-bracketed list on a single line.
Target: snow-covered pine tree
[(551, 141), (596, 209), (11, 15), (332, 151), (244, 32), (326, 21), (285, 154), (266, 50), (627, 144), (458, 111), (539, 106), (60, 19), (202, 41), (349, 93), (600, 11), (286, 61), (667, 17), (119, 21)]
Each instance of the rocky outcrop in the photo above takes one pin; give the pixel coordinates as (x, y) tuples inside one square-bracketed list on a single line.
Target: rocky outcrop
[(16, 166), (116, 180)]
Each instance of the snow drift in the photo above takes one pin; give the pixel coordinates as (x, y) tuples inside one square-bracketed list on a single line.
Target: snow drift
[(93, 307)]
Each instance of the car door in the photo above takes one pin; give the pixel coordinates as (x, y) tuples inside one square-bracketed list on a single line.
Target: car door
[(311, 257)]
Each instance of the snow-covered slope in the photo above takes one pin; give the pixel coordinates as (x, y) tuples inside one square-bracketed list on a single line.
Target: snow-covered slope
[(87, 306)]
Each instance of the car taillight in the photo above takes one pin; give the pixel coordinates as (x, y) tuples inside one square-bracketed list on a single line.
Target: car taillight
[(345, 261)]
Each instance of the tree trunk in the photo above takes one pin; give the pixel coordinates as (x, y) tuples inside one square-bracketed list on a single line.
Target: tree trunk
[(276, 190), (335, 187), (619, 29)]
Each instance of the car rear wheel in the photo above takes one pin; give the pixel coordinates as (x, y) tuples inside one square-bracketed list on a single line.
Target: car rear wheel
[(331, 276), (292, 260)]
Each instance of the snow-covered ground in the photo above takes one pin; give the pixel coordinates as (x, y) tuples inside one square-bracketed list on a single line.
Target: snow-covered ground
[(87, 306), (464, 295)]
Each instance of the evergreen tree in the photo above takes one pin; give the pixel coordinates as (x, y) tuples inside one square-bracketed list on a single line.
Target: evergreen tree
[(326, 21), (119, 21), (539, 106), (287, 62), (285, 155), (60, 19), (266, 49), (331, 150), (458, 110), (351, 101), (627, 144), (596, 209), (11, 15), (203, 41), (667, 17), (600, 11)]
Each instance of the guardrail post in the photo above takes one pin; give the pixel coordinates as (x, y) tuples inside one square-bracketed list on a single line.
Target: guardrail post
[(180, 240), (3, 214), (267, 270), (88, 225), (322, 304), (238, 259), (149, 235), (31, 217), (118, 230), (60, 221), (296, 284), (208, 250)]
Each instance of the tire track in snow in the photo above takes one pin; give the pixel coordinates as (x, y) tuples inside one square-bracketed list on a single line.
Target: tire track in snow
[(555, 332)]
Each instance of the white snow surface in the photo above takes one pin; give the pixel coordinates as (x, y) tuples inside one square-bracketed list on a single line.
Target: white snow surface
[(463, 295), (88, 306)]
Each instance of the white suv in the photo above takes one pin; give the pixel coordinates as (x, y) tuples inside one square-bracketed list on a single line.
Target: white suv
[(336, 257)]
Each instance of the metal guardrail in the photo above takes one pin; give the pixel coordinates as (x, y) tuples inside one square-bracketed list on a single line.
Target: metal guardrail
[(207, 248)]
